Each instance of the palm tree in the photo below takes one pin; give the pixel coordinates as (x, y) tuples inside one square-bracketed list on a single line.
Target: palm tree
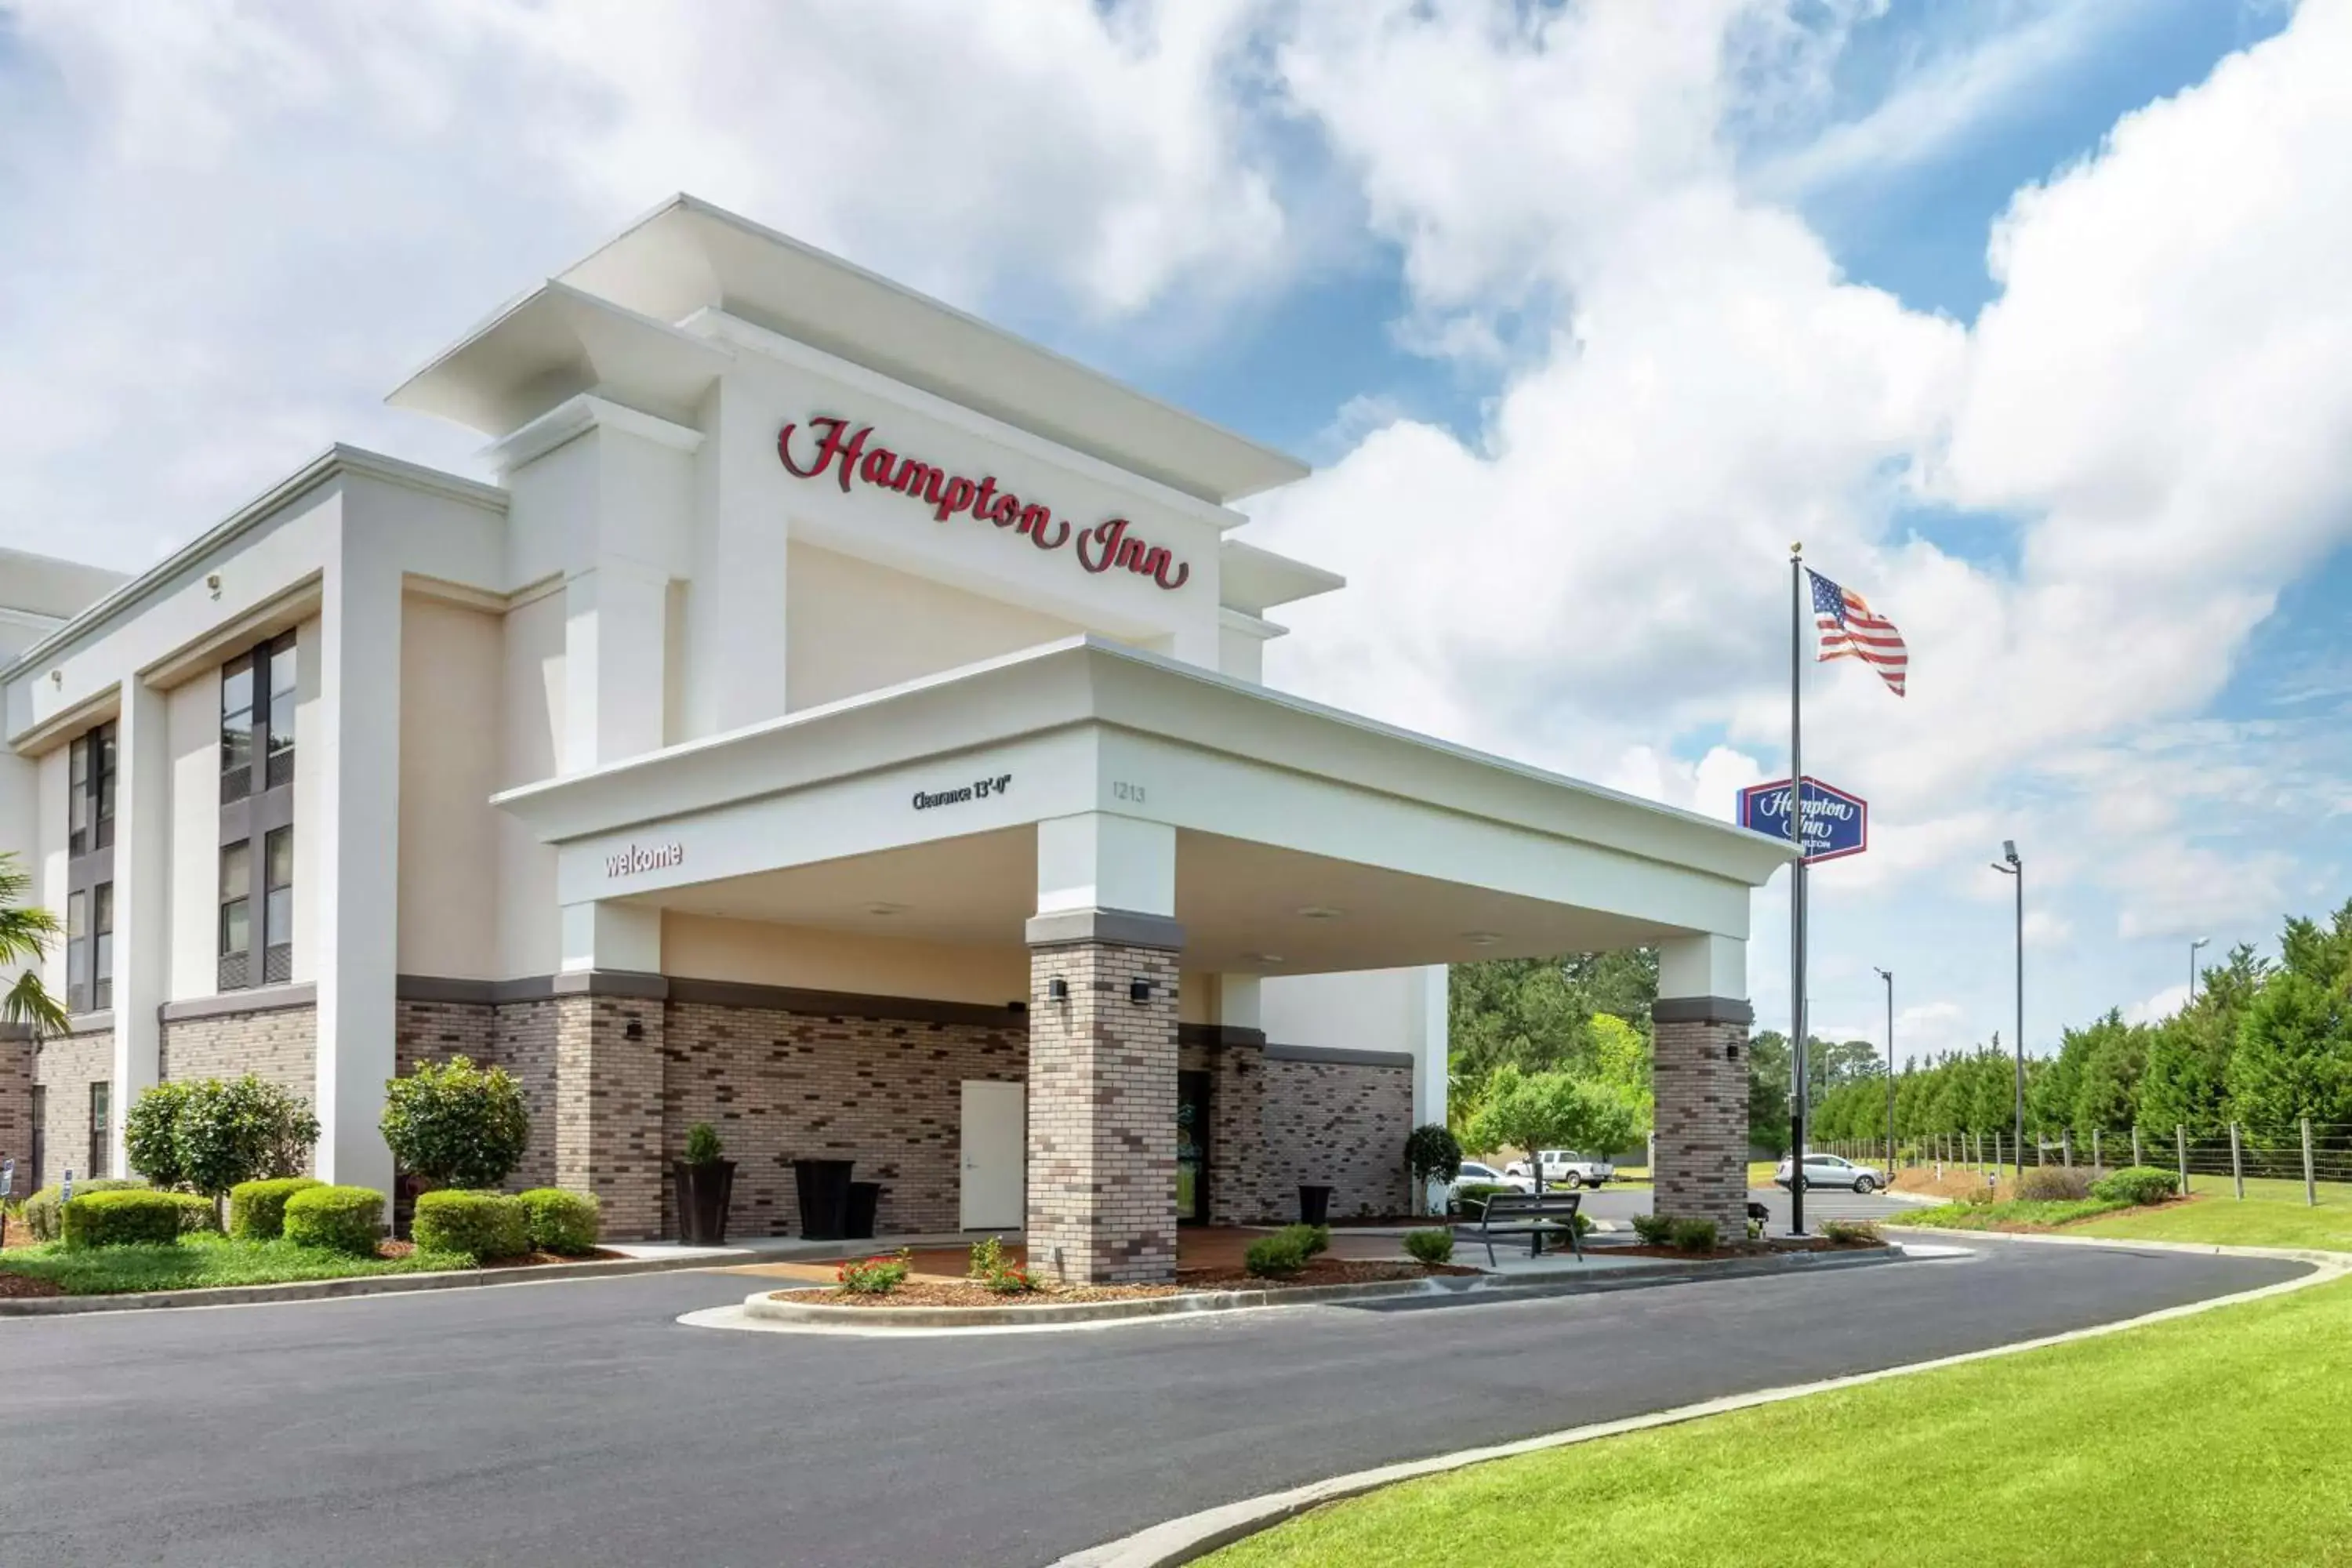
[(25, 932)]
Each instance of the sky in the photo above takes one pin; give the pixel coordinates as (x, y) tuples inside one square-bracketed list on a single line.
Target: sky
[(2031, 319)]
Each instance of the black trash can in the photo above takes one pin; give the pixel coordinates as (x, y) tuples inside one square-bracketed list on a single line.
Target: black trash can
[(1314, 1206), (865, 1197), (823, 1186)]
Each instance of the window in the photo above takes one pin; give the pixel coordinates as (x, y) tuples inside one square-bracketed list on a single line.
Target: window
[(235, 916), (78, 947), (40, 1137), (237, 728), (278, 716), (90, 871), (91, 801), (258, 711), (101, 1141), (101, 980), (277, 907)]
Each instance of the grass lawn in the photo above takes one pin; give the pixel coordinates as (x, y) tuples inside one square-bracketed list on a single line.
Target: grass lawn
[(2016, 1213), (2264, 1221), (201, 1260), (2213, 1440)]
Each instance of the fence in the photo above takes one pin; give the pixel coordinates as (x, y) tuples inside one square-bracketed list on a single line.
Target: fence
[(2312, 1159)]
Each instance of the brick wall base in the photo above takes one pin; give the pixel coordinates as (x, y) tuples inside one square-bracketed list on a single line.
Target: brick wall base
[(608, 1108), (279, 1046), (17, 1061), (65, 1068), (1701, 1078), (1102, 1114)]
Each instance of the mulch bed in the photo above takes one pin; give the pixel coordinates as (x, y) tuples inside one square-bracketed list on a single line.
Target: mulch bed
[(966, 1293), (529, 1260), (19, 1286)]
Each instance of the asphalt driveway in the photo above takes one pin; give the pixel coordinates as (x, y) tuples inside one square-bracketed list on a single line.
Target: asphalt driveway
[(578, 1424)]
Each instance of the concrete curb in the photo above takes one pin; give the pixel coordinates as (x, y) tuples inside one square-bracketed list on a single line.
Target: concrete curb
[(2314, 1255), (1189, 1539), (760, 1312), (363, 1285)]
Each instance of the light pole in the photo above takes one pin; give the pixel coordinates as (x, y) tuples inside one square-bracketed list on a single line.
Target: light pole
[(2193, 946), (1888, 975), (2008, 865)]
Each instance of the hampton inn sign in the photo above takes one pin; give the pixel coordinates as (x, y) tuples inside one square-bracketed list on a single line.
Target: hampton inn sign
[(1111, 542)]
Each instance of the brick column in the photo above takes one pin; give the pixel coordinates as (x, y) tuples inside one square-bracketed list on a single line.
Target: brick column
[(608, 1108), (16, 1102), (1102, 1098), (1701, 1078)]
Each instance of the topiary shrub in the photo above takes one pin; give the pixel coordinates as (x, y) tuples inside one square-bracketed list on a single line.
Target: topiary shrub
[(124, 1216), (1693, 1235), (1431, 1247), (558, 1221), (40, 1211), (1654, 1229), (335, 1219), (1470, 1197), (484, 1225), (1313, 1239), (257, 1210), (150, 1133), (2054, 1182), (197, 1214), (1281, 1256), (1431, 1153), (213, 1135), (2137, 1184), (455, 1124)]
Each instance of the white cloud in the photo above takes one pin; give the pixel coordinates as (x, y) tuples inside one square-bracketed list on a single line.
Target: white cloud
[(2158, 1007)]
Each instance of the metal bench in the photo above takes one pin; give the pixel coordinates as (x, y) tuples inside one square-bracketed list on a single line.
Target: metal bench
[(1532, 1214)]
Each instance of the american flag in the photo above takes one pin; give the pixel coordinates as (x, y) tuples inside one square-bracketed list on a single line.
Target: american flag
[(1852, 629)]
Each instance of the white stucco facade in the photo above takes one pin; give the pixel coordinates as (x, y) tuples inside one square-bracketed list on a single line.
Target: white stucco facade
[(812, 637)]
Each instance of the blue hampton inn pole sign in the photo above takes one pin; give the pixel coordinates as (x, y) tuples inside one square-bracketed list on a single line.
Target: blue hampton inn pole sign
[(1836, 823)]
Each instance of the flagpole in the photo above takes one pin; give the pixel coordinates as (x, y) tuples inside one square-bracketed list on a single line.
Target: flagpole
[(1797, 889)]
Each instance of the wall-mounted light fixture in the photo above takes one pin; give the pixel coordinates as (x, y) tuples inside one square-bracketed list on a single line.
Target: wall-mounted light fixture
[(1058, 989), (636, 1031), (212, 582), (1731, 1050), (1139, 991)]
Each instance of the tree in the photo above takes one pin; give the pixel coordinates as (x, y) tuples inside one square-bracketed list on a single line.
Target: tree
[(1535, 1112), (25, 932), (2293, 1058), (456, 1124), (1768, 1067), (1431, 1153), (1622, 1066), (210, 1136)]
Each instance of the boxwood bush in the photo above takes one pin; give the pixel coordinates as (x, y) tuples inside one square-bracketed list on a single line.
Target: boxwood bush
[(2137, 1184), (1470, 1197), (483, 1225), (40, 1213), (1312, 1239), (1654, 1229), (1281, 1256), (2045, 1184), (1430, 1245), (123, 1217), (197, 1212), (257, 1210), (1693, 1235), (559, 1221), (336, 1219)]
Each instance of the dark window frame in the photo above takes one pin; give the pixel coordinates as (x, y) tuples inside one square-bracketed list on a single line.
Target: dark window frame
[(102, 1127), (257, 805), (91, 779)]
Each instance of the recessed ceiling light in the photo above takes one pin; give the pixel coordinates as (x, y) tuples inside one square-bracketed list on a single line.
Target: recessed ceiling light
[(886, 909), (1269, 958), (1481, 938), (1319, 912)]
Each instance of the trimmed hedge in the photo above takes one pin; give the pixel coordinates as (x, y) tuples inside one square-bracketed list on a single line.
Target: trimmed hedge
[(560, 1222), (257, 1210), (123, 1217), (1694, 1235), (1430, 1245), (482, 1225), (1277, 1256), (2137, 1184), (335, 1219), (197, 1212), (1470, 1197), (40, 1213), (1654, 1229), (2053, 1183)]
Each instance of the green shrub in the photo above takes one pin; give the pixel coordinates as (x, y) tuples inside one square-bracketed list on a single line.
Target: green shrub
[(150, 1133), (257, 1210), (482, 1225), (213, 1135), (123, 1217), (1431, 1247), (1431, 1153), (1693, 1235), (1851, 1232), (875, 1276), (40, 1209), (455, 1124), (2046, 1183), (2137, 1184), (1013, 1279), (702, 1144), (1281, 1256), (336, 1219), (1654, 1229), (559, 1221), (1313, 1239), (197, 1212)]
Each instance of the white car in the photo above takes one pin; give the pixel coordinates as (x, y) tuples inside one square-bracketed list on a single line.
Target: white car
[(1566, 1168), (1829, 1171), (1474, 1174)]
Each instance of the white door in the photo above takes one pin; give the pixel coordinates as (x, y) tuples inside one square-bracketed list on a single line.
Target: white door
[(995, 1154)]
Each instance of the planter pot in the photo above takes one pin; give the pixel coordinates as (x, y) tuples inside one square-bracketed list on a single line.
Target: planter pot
[(704, 1192), (823, 1187), (1314, 1206), (865, 1199)]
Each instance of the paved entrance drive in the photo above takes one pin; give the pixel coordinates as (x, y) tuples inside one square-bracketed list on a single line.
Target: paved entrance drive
[(581, 1425)]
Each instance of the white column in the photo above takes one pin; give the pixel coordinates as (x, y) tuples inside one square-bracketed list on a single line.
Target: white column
[(1096, 860), (354, 907), (1427, 1032), (741, 539), (143, 848), (1692, 967), (602, 934), (615, 644)]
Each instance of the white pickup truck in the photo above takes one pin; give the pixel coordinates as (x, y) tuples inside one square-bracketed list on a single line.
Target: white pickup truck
[(1566, 1168)]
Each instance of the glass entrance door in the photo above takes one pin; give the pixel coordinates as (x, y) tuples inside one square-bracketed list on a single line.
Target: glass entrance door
[(1192, 1148)]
